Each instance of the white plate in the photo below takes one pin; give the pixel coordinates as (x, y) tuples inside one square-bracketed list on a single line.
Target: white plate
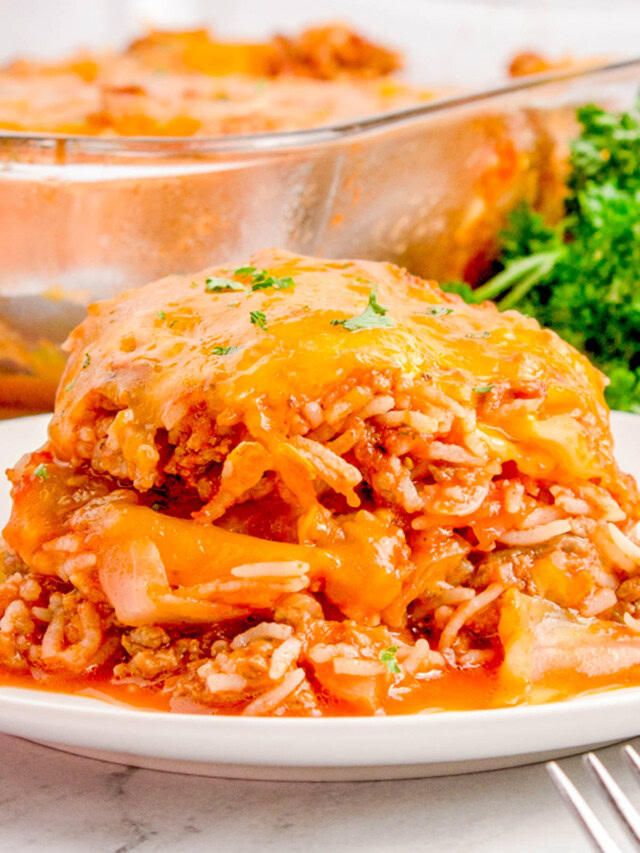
[(309, 749)]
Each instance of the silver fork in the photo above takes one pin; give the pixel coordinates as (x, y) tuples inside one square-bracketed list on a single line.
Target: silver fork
[(593, 826)]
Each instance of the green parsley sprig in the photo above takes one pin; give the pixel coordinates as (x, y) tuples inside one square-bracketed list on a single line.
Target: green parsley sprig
[(262, 280), (259, 319), (581, 277), (373, 317), (221, 285), (388, 658)]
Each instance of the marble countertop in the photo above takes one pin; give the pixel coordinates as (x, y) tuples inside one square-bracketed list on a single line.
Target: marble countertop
[(64, 804)]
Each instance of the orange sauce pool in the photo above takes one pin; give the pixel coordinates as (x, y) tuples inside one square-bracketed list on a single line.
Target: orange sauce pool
[(461, 690), (453, 690)]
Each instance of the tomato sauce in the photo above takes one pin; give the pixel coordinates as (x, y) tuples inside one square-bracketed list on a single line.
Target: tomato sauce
[(454, 690)]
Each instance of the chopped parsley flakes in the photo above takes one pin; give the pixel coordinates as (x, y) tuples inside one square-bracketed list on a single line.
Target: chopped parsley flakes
[(483, 389), (439, 310), (225, 350), (155, 506), (388, 658), (478, 335), (258, 318), (219, 285), (245, 271), (262, 281), (162, 315), (373, 317), (87, 361), (41, 472)]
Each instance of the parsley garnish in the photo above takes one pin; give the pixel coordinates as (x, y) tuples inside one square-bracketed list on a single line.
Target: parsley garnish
[(155, 506), (483, 389), (70, 385), (225, 350), (388, 658), (87, 361), (581, 276), (477, 335), (373, 317), (262, 281), (233, 304), (162, 315), (245, 270), (438, 310), (258, 318), (41, 472), (218, 285)]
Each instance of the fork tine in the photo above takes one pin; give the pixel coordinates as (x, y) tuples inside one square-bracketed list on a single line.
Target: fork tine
[(633, 757), (576, 802), (621, 802)]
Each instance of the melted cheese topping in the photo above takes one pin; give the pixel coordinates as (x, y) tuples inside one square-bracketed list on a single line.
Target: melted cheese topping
[(154, 354)]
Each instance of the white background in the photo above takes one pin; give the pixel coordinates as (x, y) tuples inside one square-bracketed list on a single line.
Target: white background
[(447, 41)]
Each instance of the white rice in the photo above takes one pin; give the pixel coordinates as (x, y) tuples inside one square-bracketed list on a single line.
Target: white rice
[(420, 654), (624, 543), (513, 495), (456, 595), (466, 611), (535, 535), (265, 630), (607, 545), (422, 424), (70, 543), (630, 622), (540, 516), (453, 453), (468, 500), (567, 501), (322, 653), (378, 406), (313, 413), (283, 657), (598, 601), (220, 682), (270, 700), (357, 667)]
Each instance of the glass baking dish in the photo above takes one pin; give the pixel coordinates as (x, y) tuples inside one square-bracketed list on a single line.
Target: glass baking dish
[(428, 187)]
